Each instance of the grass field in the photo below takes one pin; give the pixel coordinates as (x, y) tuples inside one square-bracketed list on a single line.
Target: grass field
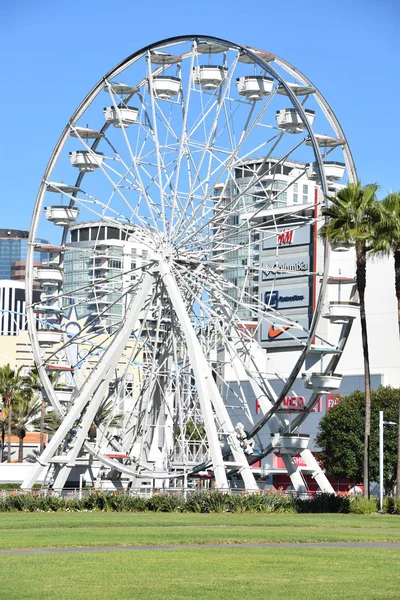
[(221, 573)]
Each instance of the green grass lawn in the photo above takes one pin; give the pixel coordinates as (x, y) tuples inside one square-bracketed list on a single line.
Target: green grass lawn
[(32, 530), (207, 573), (204, 573)]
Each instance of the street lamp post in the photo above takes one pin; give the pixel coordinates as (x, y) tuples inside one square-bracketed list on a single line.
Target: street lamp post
[(381, 424)]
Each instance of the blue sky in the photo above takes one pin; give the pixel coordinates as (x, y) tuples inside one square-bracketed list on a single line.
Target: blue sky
[(56, 51)]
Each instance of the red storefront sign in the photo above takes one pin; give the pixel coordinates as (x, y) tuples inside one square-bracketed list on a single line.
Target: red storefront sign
[(332, 400)]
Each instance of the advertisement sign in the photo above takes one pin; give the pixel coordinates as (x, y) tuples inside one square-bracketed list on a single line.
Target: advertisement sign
[(283, 297), (275, 331), (285, 266), (286, 237)]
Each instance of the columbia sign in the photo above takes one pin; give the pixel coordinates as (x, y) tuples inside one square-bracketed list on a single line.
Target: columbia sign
[(285, 237)]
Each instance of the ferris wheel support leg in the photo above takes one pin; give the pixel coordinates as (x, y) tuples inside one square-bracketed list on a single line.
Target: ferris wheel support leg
[(208, 392), (294, 473), (202, 374), (100, 376), (317, 473)]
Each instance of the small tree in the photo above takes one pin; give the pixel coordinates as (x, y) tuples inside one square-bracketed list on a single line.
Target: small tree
[(25, 411), (341, 434), (33, 383), (11, 391)]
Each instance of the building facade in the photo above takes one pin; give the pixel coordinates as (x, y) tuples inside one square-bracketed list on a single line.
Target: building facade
[(13, 249)]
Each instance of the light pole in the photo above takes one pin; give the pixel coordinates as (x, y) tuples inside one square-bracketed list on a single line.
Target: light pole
[(381, 424)]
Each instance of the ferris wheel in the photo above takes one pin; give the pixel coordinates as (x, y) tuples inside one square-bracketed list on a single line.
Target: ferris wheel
[(184, 282)]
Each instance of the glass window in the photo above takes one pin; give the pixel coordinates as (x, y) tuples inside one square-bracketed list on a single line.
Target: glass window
[(84, 234), (112, 233)]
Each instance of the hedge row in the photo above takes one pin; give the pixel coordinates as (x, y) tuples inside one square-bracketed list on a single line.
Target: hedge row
[(200, 502)]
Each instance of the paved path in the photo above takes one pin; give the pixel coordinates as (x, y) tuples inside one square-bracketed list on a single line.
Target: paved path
[(385, 545)]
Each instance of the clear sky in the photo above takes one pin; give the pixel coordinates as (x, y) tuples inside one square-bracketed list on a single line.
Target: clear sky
[(56, 50)]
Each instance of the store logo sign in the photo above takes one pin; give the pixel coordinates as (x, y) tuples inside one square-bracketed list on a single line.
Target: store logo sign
[(273, 299), (285, 237), (288, 268)]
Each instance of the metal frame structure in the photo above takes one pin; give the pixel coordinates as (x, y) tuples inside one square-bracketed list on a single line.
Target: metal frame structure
[(191, 128)]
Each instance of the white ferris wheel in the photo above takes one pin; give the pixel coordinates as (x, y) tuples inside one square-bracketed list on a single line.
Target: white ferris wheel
[(184, 284)]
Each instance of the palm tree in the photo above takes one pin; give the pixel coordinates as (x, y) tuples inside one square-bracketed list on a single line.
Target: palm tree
[(33, 382), (11, 391), (3, 421), (104, 416), (353, 215), (387, 241), (25, 410)]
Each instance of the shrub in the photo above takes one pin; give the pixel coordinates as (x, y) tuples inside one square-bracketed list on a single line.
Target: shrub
[(360, 506), (323, 503), (166, 503)]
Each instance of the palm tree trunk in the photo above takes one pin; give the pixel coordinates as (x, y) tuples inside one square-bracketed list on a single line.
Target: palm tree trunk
[(9, 432), (42, 413), (397, 286), (21, 449), (361, 275), (3, 437)]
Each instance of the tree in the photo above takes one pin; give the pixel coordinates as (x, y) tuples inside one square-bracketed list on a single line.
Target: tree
[(352, 218), (25, 410), (3, 421), (387, 241), (33, 383), (104, 416), (341, 435), (11, 391)]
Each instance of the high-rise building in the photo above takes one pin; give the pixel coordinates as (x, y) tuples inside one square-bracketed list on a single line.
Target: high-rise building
[(260, 188), (13, 249), (13, 307), (101, 262)]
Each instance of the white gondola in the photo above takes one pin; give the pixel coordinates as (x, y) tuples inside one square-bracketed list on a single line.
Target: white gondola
[(208, 48), (64, 394), (41, 309), (298, 89), (122, 89), (161, 58), (61, 215), (322, 382), (86, 133), (248, 60), (164, 86), (334, 170), (291, 443), (121, 116), (209, 77), (39, 247), (341, 312), (48, 277), (86, 161), (290, 121), (61, 188), (49, 337), (254, 87), (326, 141)]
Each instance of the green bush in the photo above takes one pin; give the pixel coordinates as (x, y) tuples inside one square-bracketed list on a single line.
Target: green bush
[(195, 502), (360, 506), (206, 501), (166, 503), (323, 503), (391, 505)]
